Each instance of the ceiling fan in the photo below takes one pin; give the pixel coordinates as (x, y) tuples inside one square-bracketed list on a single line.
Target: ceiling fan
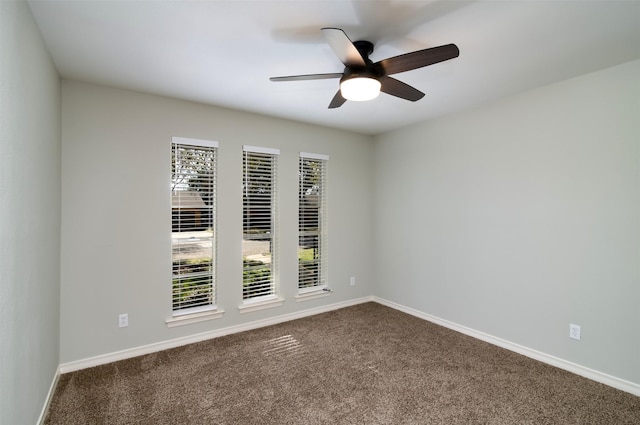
[(364, 80)]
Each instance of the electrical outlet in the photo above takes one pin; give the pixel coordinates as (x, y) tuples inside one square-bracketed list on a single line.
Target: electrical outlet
[(123, 320), (352, 281), (574, 331)]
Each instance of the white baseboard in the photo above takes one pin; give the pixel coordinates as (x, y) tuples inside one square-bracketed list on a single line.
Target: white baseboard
[(586, 372), (47, 403), (177, 342)]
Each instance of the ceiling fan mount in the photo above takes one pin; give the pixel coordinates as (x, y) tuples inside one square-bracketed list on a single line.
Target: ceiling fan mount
[(368, 70), (362, 79), (364, 47)]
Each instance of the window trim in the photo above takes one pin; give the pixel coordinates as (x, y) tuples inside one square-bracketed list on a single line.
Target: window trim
[(273, 299), (262, 303), (194, 317), (322, 288), (198, 313), (312, 295)]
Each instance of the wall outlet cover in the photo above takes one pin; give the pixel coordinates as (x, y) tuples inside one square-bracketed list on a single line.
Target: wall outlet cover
[(574, 331), (123, 320)]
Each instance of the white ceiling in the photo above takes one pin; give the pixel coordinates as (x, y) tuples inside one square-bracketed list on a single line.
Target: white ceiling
[(223, 52)]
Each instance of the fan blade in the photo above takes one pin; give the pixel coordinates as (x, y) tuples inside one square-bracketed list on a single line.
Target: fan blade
[(337, 101), (307, 77), (343, 47), (399, 89), (418, 59)]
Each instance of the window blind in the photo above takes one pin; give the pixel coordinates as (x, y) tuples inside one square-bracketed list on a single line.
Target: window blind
[(259, 238), (312, 222), (193, 220)]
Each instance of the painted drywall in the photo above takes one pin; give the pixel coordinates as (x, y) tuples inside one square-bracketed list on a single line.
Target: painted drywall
[(116, 249), (522, 217), (29, 217)]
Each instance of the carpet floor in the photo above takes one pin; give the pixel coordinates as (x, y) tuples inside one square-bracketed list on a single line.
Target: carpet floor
[(366, 364)]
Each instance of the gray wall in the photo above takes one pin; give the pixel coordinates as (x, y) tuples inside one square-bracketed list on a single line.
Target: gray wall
[(29, 217), (521, 217), (116, 214)]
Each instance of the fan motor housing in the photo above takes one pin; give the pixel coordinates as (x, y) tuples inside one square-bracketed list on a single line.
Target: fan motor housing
[(353, 72)]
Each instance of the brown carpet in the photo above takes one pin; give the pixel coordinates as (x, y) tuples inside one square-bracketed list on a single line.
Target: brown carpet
[(366, 364)]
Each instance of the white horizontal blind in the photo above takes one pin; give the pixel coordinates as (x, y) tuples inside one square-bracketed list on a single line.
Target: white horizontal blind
[(193, 224), (259, 241), (312, 222)]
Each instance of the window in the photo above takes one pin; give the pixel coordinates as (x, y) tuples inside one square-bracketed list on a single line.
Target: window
[(312, 222), (259, 238), (193, 219)]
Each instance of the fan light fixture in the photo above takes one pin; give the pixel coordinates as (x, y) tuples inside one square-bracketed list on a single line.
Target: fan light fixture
[(360, 88)]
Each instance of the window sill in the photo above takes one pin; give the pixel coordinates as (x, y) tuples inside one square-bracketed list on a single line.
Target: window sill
[(187, 319), (312, 295), (260, 305)]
